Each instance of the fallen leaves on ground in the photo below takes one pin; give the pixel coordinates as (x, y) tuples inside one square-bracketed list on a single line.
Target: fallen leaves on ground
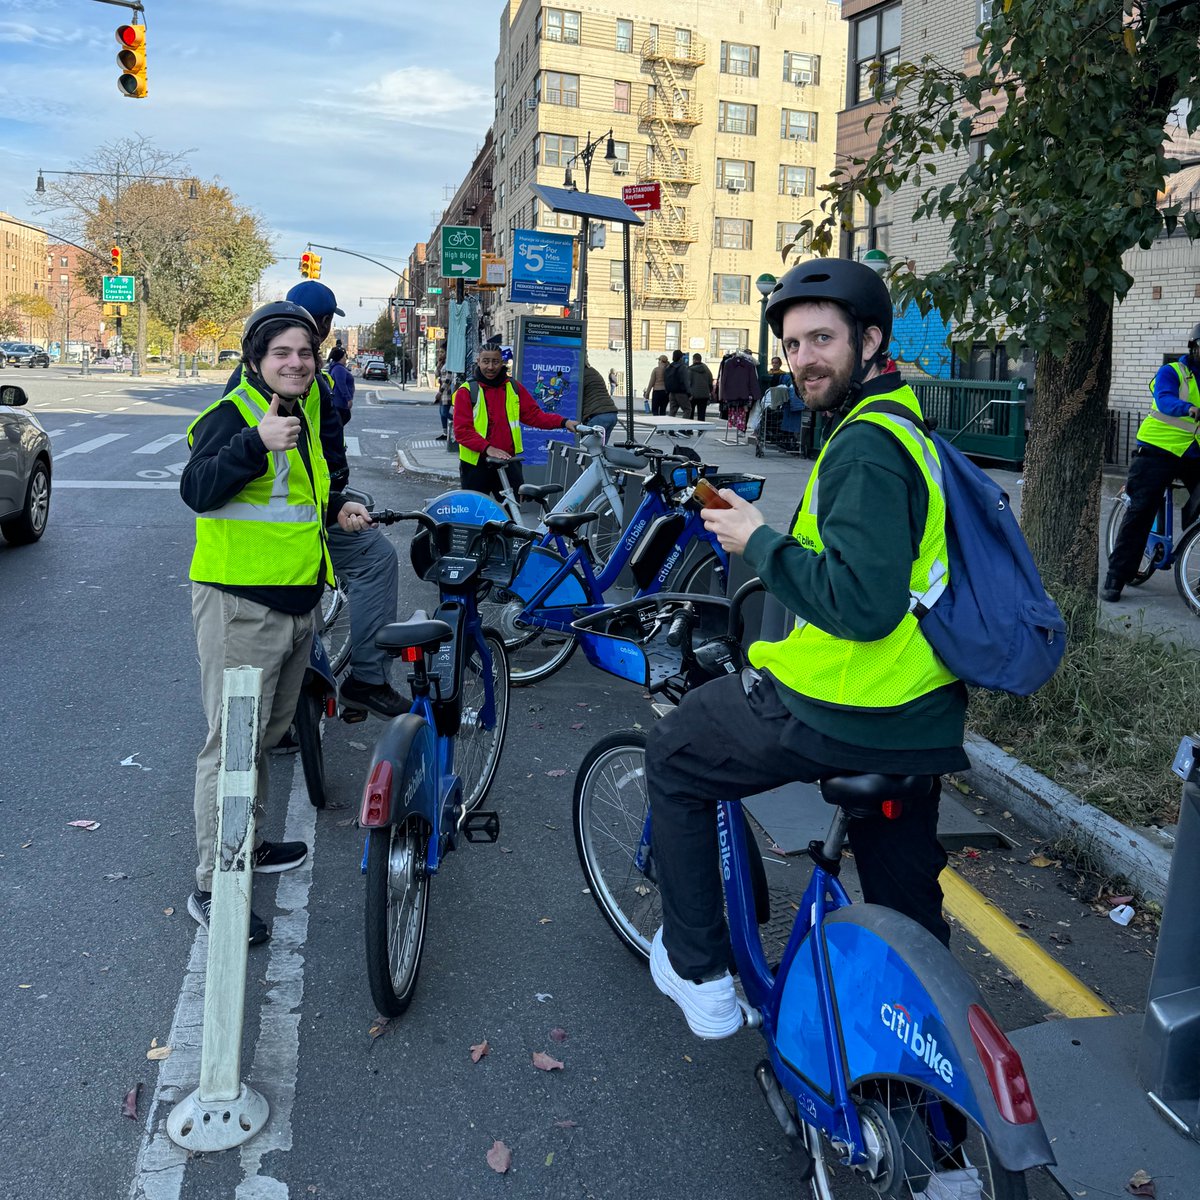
[(542, 997), (84, 824), (1040, 860), (577, 725), (558, 1035), (557, 772), (168, 912), (544, 1062), (158, 1053), (129, 1108), (1141, 1184), (499, 1157), (379, 1027), (545, 920), (113, 876), (479, 1050), (566, 1124)]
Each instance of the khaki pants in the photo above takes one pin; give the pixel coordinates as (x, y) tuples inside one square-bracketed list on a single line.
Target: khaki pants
[(235, 632)]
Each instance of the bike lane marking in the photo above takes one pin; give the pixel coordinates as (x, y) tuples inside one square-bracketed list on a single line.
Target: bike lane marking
[(88, 447), (160, 1164)]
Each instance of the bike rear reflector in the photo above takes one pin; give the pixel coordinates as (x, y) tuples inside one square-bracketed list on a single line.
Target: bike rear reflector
[(377, 797), (331, 706), (411, 654), (1002, 1064), (892, 809)]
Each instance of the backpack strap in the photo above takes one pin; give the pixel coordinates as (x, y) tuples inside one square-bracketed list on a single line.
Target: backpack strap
[(898, 410)]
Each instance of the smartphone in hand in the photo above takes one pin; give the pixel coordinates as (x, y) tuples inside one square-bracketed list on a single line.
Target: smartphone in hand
[(707, 496)]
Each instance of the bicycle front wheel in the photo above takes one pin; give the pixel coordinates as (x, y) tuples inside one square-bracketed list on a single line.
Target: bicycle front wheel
[(335, 626), (1187, 569), (396, 909), (705, 577), (477, 745), (1116, 518), (609, 820), (312, 757), (533, 654)]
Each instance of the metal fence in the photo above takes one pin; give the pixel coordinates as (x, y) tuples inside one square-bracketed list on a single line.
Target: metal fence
[(1120, 436), (983, 418)]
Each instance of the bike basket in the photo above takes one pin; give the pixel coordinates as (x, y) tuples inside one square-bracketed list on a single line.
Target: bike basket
[(748, 487), (685, 476)]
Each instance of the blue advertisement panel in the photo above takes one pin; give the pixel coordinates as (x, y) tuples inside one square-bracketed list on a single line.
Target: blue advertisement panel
[(541, 270), (550, 365)]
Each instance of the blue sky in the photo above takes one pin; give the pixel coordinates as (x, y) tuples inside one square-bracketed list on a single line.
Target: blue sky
[(337, 123)]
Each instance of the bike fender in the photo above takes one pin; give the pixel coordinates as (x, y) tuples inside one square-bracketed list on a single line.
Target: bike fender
[(318, 665), (407, 749), (540, 567), (909, 1016)]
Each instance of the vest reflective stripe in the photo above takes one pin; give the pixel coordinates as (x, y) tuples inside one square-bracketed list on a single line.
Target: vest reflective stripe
[(901, 666), (272, 533), (513, 412), (1176, 435)]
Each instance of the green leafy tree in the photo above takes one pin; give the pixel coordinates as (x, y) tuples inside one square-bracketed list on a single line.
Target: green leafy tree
[(1072, 99), (35, 313)]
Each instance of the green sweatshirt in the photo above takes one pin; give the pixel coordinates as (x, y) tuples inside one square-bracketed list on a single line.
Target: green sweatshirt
[(870, 518)]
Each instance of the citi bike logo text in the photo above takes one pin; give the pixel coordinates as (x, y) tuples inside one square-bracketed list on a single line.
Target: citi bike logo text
[(924, 1046), (636, 532), (414, 783), (671, 561), (723, 843)]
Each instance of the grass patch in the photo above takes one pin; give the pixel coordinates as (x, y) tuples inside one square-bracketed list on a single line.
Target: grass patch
[(1107, 726)]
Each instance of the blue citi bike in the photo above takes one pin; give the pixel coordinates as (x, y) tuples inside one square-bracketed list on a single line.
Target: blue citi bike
[(664, 540), (433, 766), (883, 1065)]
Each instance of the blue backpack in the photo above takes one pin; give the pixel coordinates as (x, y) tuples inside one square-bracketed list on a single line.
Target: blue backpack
[(994, 626)]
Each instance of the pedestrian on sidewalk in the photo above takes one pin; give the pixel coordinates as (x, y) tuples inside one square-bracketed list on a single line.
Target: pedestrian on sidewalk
[(445, 396), (259, 484), (700, 386), (855, 688), (613, 382), (656, 389), (342, 384), (679, 398), (489, 411), (596, 406)]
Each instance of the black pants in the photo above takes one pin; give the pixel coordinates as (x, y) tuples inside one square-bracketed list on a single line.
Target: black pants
[(658, 403), (1151, 471), (699, 404), (722, 744), (475, 477)]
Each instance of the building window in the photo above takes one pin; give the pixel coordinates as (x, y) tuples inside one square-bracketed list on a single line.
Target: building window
[(737, 59), (797, 181), (798, 126), (737, 174), (645, 339), (872, 226), (732, 233), (62, 262), (558, 149), (557, 25), (737, 118), (683, 43), (621, 149), (985, 12), (625, 37), (672, 335), (726, 341), (553, 220), (787, 233), (731, 289), (801, 69), (616, 275), (876, 42), (560, 89), (620, 96), (616, 333)]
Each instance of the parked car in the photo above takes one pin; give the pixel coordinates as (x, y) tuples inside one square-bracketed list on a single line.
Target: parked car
[(25, 464), (22, 354), (375, 368), (229, 356)]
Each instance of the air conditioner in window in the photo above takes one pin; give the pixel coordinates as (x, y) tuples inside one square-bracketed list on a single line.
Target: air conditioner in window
[(620, 167), (616, 287), (736, 185), (617, 345), (531, 104), (796, 137), (796, 191), (800, 81)]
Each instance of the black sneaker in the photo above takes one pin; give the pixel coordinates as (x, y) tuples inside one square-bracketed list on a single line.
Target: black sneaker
[(441, 437), (1111, 591), (200, 906), (380, 698), (270, 858), (288, 744)]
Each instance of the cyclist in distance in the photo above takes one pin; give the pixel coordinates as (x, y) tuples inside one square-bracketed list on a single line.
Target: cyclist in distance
[(855, 687), (1167, 450), (489, 411)]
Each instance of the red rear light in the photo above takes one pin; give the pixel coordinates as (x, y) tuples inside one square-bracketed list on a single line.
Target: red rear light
[(1005, 1072), (377, 797), (411, 654), (331, 706), (892, 809)]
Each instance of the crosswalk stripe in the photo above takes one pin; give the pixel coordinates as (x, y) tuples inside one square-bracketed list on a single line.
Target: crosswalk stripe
[(161, 443), (353, 450), (94, 444)]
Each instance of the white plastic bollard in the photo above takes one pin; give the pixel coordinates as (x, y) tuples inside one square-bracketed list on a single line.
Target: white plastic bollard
[(224, 1112)]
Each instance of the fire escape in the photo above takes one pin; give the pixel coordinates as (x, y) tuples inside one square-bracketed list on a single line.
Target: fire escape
[(667, 117)]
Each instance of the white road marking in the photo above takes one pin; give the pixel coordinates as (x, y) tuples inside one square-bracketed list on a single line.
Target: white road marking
[(123, 408), (385, 432), (429, 445), (113, 485), (353, 450), (160, 1166), (94, 444), (161, 443)]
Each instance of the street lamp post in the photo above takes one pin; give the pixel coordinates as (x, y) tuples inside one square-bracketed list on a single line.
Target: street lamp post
[(765, 285), (585, 156), (117, 174)]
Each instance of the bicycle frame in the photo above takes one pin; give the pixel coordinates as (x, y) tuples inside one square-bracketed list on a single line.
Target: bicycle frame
[(1162, 532)]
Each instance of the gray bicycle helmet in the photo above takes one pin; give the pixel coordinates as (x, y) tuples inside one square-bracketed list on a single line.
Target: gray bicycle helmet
[(280, 310)]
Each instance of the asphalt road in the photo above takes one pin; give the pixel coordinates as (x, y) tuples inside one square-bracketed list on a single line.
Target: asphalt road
[(103, 722)]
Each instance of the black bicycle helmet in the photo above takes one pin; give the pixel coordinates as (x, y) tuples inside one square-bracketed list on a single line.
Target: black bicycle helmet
[(838, 280), (1194, 336), (284, 310)]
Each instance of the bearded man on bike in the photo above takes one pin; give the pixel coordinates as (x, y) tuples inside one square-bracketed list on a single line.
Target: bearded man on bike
[(1167, 449)]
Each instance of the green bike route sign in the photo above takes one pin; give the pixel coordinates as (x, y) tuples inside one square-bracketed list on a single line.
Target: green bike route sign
[(462, 252)]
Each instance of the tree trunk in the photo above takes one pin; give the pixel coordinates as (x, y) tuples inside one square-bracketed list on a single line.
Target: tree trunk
[(1063, 463)]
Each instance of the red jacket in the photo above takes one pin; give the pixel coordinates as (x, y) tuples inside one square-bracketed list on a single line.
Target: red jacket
[(498, 432)]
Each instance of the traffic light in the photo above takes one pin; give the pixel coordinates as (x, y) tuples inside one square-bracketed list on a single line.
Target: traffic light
[(315, 272), (310, 265), (114, 310), (116, 260), (131, 58)]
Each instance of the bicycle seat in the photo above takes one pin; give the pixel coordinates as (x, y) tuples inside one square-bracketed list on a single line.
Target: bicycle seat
[(418, 630), (618, 457), (863, 795), (531, 491), (567, 523)]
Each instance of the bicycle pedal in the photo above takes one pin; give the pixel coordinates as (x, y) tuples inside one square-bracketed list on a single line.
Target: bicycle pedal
[(481, 826), (353, 716)]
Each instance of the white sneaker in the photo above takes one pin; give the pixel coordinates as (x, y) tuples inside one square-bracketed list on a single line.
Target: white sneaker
[(711, 1008), (960, 1184)]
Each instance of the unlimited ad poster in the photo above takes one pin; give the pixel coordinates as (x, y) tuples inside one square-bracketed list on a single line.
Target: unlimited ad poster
[(550, 358)]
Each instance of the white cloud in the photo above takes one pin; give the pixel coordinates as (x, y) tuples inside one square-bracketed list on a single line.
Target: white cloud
[(20, 34), (418, 94)]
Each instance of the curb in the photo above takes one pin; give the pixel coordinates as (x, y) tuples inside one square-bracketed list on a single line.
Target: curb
[(1055, 812)]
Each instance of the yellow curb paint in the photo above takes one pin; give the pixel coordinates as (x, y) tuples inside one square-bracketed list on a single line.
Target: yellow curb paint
[(1044, 976)]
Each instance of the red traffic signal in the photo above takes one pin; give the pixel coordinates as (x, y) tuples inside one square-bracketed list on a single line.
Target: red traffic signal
[(306, 265), (131, 58), (116, 260)]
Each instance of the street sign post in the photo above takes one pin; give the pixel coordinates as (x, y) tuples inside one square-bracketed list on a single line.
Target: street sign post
[(433, 291), (462, 252), (643, 197), (426, 312), (118, 289), (406, 302)]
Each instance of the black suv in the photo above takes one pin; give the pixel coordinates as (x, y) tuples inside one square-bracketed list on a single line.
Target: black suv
[(21, 354)]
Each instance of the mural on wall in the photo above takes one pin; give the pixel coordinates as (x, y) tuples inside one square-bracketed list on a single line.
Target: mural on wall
[(922, 341)]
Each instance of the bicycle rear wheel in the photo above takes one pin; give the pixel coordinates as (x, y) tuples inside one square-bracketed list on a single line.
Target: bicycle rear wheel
[(608, 820), (604, 533), (1116, 519), (477, 746), (308, 736), (335, 626), (397, 903), (533, 654), (922, 1147), (1187, 569), (705, 577)]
